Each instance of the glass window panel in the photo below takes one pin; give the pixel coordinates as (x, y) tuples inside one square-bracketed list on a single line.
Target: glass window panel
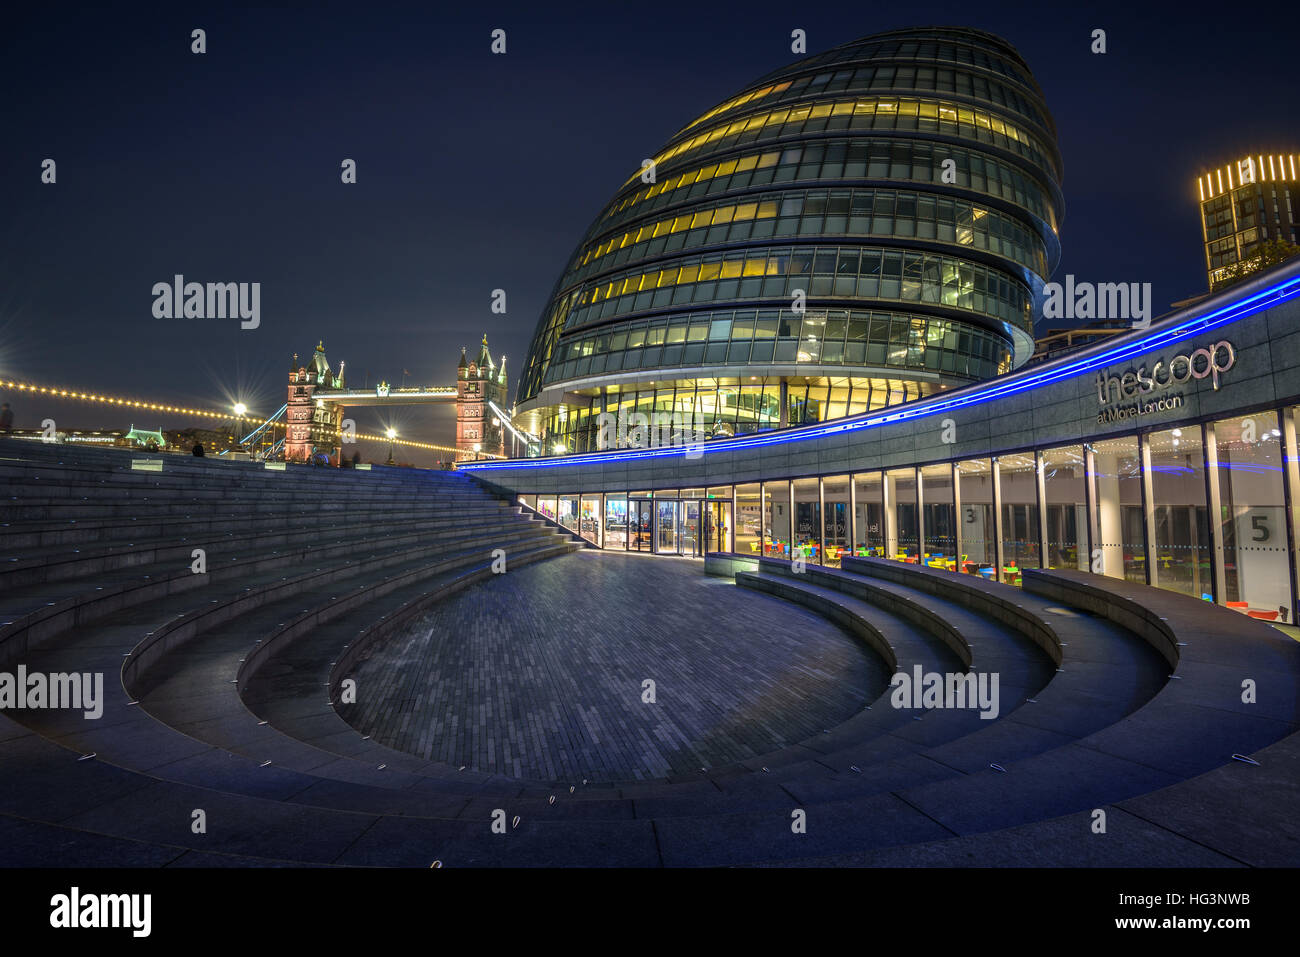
[(749, 519), (568, 516), (902, 542), (835, 530), (1252, 525), (807, 513), (1118, 496), (868, 517), (776, 519), (1182, 556), (1067, 511), (719, 528), (940, 517), (1020, 529), (616, 521), (975, 483), (591, 527)]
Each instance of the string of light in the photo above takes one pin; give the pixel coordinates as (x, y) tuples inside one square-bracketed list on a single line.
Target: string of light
[(422, 445), (124, 402)]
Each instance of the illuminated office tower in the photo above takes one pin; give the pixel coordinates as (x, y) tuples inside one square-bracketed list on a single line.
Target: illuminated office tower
[(1245, 204)]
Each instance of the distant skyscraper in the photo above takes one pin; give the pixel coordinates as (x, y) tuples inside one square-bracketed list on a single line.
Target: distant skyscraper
[(1243, 204)]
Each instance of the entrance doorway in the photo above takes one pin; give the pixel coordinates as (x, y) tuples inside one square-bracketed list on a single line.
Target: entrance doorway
[(691, 541), (640, 516), (666, 536), (717, 525)]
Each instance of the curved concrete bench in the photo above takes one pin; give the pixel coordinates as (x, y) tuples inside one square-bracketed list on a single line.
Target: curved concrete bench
[(726, 564), (85, 606), (989, 599), (827, 607), (430, 558), (1082, 700), (1212, 650), (900, 605)]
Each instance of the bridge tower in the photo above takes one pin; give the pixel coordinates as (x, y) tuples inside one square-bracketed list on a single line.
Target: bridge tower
[(479, 382), (311, 421)]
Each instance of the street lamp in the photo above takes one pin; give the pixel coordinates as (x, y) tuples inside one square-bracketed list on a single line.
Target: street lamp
[(392, 434), (239, 410)]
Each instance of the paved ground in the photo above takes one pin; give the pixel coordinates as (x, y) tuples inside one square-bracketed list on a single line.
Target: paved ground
[(538, 673)]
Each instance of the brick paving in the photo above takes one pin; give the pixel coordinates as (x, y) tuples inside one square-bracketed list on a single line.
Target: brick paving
[(538, 673)]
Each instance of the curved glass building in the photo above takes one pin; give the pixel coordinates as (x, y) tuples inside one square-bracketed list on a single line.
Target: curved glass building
[(862, 228)]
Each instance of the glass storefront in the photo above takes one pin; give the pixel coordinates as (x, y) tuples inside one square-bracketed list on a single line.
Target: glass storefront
[(1207, 517)]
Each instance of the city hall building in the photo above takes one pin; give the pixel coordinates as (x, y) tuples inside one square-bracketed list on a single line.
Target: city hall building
[(863, 228)]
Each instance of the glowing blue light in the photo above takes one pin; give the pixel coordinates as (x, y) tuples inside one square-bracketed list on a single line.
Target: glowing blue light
[(947, 402)]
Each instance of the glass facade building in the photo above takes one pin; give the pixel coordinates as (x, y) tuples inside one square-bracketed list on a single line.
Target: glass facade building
[(863, 228)]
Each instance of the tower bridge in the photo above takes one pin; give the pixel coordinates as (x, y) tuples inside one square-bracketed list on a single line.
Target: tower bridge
[(314, 411)]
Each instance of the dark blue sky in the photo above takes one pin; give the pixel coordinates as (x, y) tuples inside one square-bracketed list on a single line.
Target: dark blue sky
[(478, 172)]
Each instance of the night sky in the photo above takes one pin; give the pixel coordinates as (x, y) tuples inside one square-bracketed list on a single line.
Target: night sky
[(478, 172)]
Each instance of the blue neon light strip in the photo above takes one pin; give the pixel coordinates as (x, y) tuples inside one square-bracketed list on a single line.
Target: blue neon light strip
[(934, 405)]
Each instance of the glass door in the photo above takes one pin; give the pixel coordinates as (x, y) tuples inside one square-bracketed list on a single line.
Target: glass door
[(666, 526), (640, 513), (690, 536), (717, 525)]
